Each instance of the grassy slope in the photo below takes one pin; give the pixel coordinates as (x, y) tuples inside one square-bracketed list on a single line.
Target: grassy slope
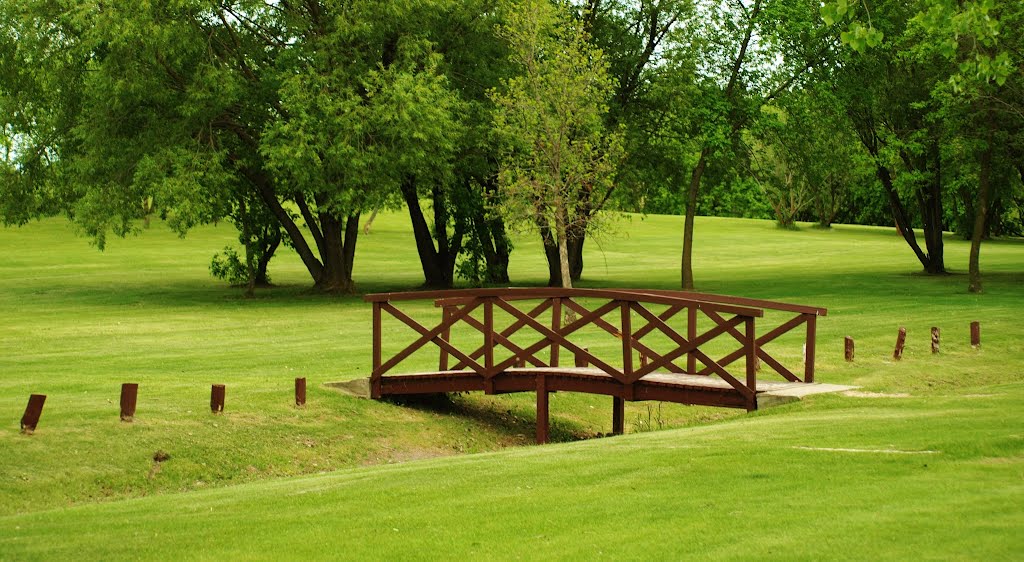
[(165, 324)]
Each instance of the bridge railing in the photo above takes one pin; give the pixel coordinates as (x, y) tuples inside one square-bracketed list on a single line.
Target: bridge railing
[(553, 329), (805, 316)]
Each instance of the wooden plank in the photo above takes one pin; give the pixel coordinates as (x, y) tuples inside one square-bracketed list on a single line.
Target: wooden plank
[(542, 410), (655, 297), (618, 415)]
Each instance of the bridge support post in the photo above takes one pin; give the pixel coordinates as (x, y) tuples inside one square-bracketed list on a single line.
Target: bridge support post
[(542, 410), (618, 415)]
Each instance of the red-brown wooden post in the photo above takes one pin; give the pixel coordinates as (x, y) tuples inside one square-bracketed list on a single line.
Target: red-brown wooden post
[(489, 336), (129, 398), (376, 388), (618, 415), (936, 334), (446, 335), (33, 411), (300, 391), (542, 410), (581, 359), (750, 349), (691, 334), (217, 398), (809, 355), (901, 339), (627, 340), (556, 325), (848, 351), (975, 334)]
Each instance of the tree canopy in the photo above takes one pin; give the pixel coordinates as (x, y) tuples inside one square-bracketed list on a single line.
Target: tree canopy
[(293, 119)]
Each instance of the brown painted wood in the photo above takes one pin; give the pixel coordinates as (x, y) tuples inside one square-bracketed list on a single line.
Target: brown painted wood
[(581, 358), (491, 368), (33, 411), (442, 362), (503, 336), (556, 325), (217, 392), (375, 375), (618, 415), (901, 340), (489, 336), (741, 301), (691, 334), (627, 338), (809, 347), (848, 349), (975, 334), (511, 294), (936, 334), (751, 356), (542, 410), (129, 399), (300, 391)]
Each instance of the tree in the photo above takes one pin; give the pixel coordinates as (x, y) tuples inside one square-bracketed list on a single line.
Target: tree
[(315, 110), (751, 53), (551, 118)]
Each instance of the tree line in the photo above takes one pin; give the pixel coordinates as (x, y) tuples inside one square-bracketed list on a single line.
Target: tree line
[(294, 119)]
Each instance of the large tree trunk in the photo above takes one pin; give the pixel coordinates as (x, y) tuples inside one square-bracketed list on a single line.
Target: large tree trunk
[(691, 213), (298, 241), (438, 263), (339, 236), (980, 216), (902, 220), (272, 244), (930, 203)]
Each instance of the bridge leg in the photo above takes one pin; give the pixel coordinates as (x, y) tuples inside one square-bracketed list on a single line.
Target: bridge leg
[(618, 415), (542, 410)]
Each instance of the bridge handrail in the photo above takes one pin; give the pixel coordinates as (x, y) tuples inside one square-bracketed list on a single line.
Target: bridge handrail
[(461, 296), (556, 336), (740, 301)]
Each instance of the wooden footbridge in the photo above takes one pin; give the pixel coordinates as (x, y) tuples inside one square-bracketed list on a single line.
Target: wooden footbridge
[(689, 348)]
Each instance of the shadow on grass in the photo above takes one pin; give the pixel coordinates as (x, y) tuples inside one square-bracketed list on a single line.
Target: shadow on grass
[(513, 426)]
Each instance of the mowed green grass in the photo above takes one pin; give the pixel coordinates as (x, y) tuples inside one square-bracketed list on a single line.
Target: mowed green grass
[(936, 473)]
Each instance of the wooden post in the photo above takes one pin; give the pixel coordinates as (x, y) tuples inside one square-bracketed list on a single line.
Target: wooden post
[(809, 347), (849, 349), (691, 334), (446, 335), (936, 333), (300, 391), (750, 350), (556, 326), (975, 334), (581, 359), (901, 339), (217, 398), (376, 385), (33, 411), (489, 337), (542, 410), (618, 415), (627, 340), (129, 398)]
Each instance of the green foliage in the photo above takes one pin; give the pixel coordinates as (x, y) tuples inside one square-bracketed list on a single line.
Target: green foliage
[(859, 36), (229, 267), (550, 118)]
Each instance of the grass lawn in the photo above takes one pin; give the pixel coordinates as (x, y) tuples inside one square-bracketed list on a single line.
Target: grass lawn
[(932, 468)]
